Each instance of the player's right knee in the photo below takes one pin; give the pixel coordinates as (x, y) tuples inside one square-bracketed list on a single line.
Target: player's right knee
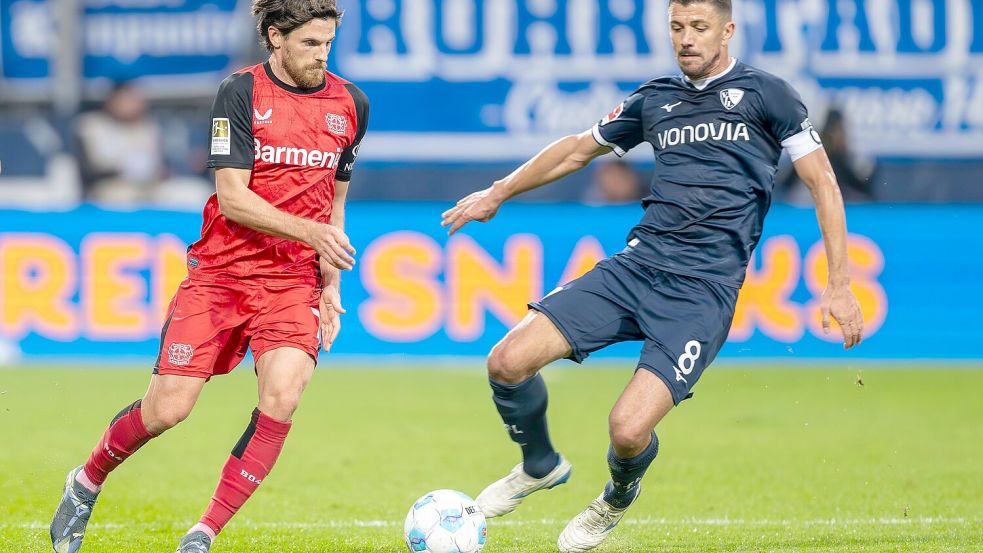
[(504, 366)]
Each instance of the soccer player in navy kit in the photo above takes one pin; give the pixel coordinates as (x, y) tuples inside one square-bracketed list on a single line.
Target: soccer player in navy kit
[(717, 133)]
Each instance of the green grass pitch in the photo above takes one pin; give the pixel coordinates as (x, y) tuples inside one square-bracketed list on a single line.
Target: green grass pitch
[(779, 459)]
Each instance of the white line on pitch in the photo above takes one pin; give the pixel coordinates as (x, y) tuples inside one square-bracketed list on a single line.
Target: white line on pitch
[(548, 522)]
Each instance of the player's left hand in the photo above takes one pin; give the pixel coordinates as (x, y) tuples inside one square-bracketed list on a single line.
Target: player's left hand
[(331, 310), (840, 304)]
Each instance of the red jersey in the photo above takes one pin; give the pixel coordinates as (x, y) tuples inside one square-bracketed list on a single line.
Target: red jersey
[(297, 142)]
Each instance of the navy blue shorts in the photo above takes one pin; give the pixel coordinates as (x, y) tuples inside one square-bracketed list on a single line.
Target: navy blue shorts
[(682, 320)]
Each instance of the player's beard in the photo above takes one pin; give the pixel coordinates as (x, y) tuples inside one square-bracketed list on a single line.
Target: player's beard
[(703, 70), (305, 75)]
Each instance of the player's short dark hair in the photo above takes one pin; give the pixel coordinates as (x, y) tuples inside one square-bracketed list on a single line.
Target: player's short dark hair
[(287, 15), (722, 6)]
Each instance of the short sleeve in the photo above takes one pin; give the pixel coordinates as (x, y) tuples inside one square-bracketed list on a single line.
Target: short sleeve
[(622, 129), (786, 114), (788, 120), (347, 164), (230, 139)]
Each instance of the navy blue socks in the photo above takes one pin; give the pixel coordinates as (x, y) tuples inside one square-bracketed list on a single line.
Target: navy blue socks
[(523, 410), (627, 473)]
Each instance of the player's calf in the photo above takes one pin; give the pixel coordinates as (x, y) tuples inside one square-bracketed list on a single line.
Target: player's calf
[(251, 461), (627, 473), (126, 434)]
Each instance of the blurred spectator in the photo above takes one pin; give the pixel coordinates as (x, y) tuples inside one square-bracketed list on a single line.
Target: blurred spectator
[(120, 150), (121, 157), (852, 174), (614, 182)]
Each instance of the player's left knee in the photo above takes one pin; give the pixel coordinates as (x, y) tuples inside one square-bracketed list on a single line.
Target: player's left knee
[(628, 438), (280, 404)]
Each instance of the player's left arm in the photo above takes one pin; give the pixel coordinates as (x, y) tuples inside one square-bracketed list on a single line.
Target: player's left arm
[(330, 303), (788, 120), (837, 300)]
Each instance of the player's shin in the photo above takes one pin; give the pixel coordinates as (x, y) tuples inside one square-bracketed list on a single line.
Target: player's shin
[(626, 474), (125, 435), (523, 410), (248, 465)]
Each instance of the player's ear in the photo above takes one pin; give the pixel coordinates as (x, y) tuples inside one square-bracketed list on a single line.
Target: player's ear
[(276, 37), (729, 30)]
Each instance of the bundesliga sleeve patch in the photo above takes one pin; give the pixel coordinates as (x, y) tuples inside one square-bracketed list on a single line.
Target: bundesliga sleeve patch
[(221, 137), (613, 115)]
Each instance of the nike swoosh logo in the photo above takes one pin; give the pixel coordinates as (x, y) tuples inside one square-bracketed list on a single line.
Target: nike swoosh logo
[(669, 107)]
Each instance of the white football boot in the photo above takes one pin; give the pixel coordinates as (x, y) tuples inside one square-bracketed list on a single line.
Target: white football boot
[(588, 529), (503, 496)]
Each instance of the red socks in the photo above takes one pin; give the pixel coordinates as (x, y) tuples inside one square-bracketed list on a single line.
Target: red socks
[(250, 462), (125, 435)]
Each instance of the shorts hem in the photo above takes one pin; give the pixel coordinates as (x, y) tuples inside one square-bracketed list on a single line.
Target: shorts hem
[(182, 372), (676, 400), (257, 353), (577, 355)]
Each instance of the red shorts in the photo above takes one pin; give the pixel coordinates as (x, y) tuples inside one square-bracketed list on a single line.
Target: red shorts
[(210, 325)]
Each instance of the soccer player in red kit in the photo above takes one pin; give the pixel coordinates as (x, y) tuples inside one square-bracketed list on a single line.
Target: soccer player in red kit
[(265, 272)]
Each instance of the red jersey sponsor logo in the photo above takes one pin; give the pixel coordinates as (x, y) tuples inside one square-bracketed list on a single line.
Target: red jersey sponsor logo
[(263, 118), (301, 157), (180, 354)]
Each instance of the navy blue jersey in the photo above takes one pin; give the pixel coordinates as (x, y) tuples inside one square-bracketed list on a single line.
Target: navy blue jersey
[(717, 146)]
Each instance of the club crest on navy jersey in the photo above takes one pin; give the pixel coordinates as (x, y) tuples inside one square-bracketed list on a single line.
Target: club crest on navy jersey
[(730, 97)]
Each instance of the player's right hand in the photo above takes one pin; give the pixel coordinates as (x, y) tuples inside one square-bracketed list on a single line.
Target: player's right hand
[(477, 206), (332, 245)]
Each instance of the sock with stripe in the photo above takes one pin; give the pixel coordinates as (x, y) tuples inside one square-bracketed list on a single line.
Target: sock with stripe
[(247, 467), (626, 474), (125, 435)]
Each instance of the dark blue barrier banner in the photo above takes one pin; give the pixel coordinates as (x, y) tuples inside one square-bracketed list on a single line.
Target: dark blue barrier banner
[(96, 283), (126, 39), (498, 79)]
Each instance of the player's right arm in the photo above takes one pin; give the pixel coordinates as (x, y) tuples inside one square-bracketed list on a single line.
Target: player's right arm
[(231, 154), (559, 159), (241, 205), (620, 131)]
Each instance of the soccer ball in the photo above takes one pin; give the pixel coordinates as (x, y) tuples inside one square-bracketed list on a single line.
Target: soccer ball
[(445, 521)]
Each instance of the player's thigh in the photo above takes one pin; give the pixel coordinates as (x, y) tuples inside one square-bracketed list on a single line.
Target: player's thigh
[(529, 346), (596, 310), (282, 373), (686, 322), (643, 403)]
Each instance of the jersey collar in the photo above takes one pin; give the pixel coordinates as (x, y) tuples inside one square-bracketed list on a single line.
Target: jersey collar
[(700, 84), (290, 88)]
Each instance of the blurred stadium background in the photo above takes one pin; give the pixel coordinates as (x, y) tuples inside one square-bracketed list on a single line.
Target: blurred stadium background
[(103, 130), (104, 114)]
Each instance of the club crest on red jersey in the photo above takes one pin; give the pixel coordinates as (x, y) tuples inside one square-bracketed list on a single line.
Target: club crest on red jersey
[(614, 114), (337, 124), (180, 354)]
